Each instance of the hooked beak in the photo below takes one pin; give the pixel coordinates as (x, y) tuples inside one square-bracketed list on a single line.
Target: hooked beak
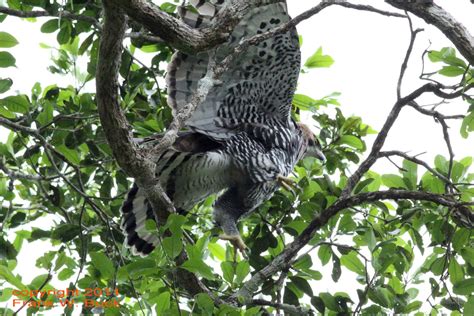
[(315, 152)]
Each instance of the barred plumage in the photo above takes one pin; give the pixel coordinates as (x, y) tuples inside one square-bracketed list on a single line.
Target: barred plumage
[(242, 138)]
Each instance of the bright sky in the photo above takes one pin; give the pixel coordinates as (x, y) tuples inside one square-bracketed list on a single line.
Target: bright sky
[(367, 48)]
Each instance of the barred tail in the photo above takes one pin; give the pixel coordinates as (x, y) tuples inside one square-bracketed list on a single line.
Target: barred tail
[(136, 210)]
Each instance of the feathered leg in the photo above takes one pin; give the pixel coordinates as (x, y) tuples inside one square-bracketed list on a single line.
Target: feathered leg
[(227, 210)]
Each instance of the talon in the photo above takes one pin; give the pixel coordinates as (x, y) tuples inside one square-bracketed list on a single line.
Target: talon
[(287, 183), (237, 242)]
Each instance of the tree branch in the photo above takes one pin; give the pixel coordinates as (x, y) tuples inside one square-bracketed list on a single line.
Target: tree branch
[(251, 286), (61, 14), (433, 14), (132, 159), (19, 175), (180, 35), (415, 160)]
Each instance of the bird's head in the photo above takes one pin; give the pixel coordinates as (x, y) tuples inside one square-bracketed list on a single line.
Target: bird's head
[(313, 147)]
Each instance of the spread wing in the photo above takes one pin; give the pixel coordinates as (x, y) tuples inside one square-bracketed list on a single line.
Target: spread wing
[(258, 86)]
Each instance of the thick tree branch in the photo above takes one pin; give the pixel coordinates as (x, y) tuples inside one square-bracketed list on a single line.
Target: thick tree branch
[(433, 14), (116, 127), (133, 160), (61, 14), (180, 35), (184, 38), (251, 286)]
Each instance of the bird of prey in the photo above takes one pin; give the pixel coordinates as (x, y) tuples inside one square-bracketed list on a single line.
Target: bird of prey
[(241, 142)]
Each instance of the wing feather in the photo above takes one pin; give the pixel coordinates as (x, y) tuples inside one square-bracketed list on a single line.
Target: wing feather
[(256, 89)]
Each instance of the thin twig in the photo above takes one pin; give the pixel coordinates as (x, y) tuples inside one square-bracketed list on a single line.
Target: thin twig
[(46, 281), (60, 14), (404, 66), (417, 161), (287, 308)]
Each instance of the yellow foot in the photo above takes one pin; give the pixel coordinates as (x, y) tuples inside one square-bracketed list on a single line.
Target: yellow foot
[(287, 183), (236, 241)]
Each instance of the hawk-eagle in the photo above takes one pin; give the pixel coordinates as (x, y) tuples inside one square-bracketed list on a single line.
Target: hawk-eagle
[(241, 141)]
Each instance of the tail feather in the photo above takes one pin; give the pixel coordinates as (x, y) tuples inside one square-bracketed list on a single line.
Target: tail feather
[(136, 210)]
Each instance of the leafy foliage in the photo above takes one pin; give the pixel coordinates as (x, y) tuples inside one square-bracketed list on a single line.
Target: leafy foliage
[(61, 189)]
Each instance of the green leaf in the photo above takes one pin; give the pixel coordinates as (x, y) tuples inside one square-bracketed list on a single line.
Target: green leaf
[(460, 239), (163, 302), (304, 262), (336, 268), (310, 190), (442, 55), (5, 294), (381, 296), (50, 26), (16, 103), (241, 271), (85, 45), (7, 60), (196, 265), (174, 223), (46, 114), (70, 154), (205, 303), (438, 266), (7, 40), (393, 181), (467, 125), (324, 254), (102, 263), (65, 232), (441, 164), (228, 271), (318, 60), (217, 251), (396, 285), (353, 263), (370, 238), (8, 276), (172, 246), (451, 71), (302, 285), (6, 248), (410, 173), (329, 301), (464, 287), (456, 273), (352, 141), (433, 184), (469, 306), (139, 267), (65, 274), (413, 306), (168, 7), (64, 34), (5, 85), (457, 172), (318, 303), (305, 102), (363, 184)]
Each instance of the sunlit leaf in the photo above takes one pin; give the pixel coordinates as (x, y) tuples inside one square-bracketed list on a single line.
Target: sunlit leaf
[(318, 60)]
